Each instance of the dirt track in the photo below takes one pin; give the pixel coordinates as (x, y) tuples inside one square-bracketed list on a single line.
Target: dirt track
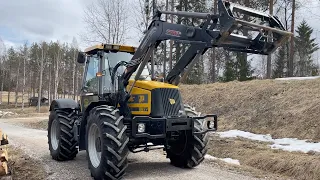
[(152, 165)]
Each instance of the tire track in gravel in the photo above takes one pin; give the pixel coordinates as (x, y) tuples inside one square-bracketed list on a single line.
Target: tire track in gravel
[(142, 166)]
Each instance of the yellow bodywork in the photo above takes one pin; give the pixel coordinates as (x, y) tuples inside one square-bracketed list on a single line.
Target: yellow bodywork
[(112, 47), (140, 101)]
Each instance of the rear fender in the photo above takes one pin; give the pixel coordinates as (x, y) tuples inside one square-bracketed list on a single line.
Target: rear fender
[(64, 104)]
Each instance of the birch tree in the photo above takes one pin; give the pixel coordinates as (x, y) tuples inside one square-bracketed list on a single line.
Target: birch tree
[(24, 55), (41, 54), (2, 59), (74, 61), (106, 21), (17, 80), (11, 58)]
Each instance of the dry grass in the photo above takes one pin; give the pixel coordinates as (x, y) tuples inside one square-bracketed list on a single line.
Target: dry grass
[(279, 108), (41, 124), (27, 112), (259, 155), (23, 167), (5, 95)]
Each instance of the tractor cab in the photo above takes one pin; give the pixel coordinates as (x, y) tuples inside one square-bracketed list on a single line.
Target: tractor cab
[(100, 61), (103, 67)]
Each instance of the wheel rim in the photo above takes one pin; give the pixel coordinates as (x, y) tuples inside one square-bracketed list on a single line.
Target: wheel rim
[(54, 135), (94, 145)]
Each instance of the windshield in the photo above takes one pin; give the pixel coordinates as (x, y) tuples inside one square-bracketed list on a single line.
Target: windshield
[(110, 61)]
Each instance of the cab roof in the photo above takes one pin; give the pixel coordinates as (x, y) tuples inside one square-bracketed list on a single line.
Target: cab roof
[(110, 47)]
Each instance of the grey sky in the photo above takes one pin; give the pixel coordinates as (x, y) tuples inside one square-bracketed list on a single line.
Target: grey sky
[(35, 20)]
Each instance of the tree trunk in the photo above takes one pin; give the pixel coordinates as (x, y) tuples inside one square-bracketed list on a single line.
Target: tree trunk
[(1, 90), (77, 84), (9, 85), (64, 88), (24, 81), (40, 88), (291, 60), (17, 85), (40, 80), (73, 75), (49, 87), (56, 78), (213, 57)]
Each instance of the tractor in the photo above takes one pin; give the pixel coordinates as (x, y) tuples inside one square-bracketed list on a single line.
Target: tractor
[(123, 108)]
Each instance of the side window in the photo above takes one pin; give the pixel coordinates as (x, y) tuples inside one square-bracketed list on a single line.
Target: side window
[(91, 78), (106, 78)]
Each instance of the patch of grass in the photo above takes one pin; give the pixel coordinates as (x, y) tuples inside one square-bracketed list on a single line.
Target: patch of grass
[(22, 167), (280, 108), (27, 112), (260, 156)]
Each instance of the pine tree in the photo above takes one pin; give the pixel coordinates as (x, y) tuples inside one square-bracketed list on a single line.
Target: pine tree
[(278, 72), (305, 47), (230, 72)]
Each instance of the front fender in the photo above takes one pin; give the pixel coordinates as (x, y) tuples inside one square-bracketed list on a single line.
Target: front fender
[(64, 104)]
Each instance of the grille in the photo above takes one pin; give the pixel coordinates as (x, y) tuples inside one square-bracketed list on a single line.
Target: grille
[(168, 108)]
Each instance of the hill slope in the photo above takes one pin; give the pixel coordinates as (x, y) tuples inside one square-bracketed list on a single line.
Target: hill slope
[(280, 108)]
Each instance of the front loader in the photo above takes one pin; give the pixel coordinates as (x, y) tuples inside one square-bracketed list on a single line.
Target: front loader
[(122, 109)]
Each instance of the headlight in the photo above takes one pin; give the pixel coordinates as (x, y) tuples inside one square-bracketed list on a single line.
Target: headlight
[(141, 127)]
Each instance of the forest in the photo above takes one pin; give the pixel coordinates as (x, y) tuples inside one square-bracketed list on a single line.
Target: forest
[(51, 70)]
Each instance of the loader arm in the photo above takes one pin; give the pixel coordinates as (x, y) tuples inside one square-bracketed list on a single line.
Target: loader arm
[(217, 30)]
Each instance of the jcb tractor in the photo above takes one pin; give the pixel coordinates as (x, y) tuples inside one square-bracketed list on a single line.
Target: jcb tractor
[(124, 109)]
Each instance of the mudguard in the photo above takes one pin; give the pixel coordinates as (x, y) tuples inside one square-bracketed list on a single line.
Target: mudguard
[(64, 104)]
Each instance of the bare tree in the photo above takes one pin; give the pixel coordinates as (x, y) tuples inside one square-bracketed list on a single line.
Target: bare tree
[(41, 56), (74, 60), (213, 63), (142, 11), (2, 59), (269, 59), (58, 59), (106, 21), (24, 54), (17, 82)]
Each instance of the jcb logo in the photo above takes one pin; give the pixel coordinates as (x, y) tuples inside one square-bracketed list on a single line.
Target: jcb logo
[(172, 101), (141, 99)]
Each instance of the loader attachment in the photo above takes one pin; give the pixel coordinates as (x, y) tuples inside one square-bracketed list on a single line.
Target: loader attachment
[(258, 32), (234, 27), (239, 28)]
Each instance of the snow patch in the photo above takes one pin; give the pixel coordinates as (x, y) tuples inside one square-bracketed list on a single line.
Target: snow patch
[(247, 135), (6, 114), (286, 144), (298, 78), (227, 160)]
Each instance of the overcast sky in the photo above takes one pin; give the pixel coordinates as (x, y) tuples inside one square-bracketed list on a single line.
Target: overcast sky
[(36, 20)]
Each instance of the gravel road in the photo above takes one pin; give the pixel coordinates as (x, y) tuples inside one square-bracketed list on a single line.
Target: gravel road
[(151, 165)]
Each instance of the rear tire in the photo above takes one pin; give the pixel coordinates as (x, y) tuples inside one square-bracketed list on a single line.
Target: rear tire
[(189, 151), (61, 140), (107, 141)]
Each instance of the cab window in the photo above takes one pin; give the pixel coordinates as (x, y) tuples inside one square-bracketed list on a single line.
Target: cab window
[(91, 78)]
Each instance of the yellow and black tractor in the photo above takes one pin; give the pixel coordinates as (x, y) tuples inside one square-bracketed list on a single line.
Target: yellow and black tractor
[(123, 108)]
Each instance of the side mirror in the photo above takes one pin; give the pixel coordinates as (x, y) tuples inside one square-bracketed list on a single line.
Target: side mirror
[(81, 58)]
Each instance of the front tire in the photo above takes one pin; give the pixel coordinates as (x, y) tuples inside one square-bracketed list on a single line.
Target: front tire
[(61, 140), (189, 151), (107, 141)]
